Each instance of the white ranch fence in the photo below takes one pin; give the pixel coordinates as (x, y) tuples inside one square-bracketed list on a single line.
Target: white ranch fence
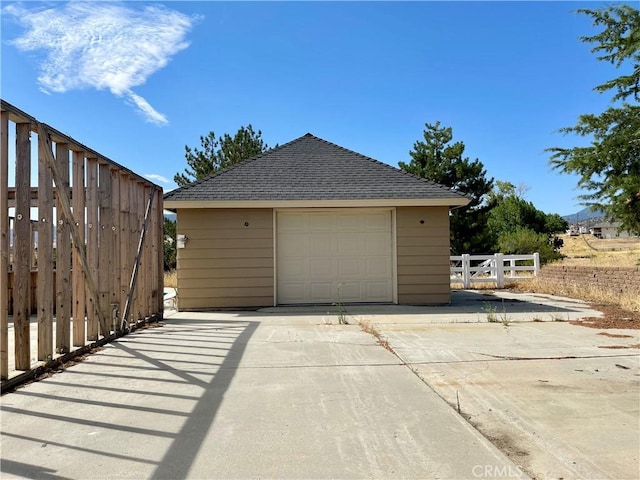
[(469, 269)]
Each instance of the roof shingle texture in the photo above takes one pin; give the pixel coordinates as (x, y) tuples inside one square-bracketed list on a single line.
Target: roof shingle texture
[(310, 168)]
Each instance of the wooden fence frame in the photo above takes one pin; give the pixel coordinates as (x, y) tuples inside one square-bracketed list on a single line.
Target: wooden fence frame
[(108, 264), (469, 269)]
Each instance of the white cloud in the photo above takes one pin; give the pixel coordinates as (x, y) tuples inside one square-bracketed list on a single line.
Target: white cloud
[(157, 178), (102, 45), (152, 115)]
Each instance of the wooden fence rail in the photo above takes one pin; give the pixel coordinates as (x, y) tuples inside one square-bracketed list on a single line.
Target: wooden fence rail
[(88, 234), (468, 269)]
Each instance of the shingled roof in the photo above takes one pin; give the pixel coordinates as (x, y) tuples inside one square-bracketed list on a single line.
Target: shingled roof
[(310, 168)]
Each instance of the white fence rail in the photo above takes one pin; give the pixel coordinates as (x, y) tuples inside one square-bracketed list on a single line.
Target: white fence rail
[(469, 269)]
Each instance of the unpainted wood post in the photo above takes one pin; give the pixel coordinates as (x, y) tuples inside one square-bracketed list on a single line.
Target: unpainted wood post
[(22, 248), (63, 256), (156, 253), (33, 230), (106, 247), (79, 288), (45, 279), (140, 285), (116, 242), (126, 241), (160, 256), (92, 244), (149, 284), (135, 233), (4, 245)]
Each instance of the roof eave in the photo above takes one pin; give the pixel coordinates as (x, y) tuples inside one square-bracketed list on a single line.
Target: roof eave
[(352, 203)]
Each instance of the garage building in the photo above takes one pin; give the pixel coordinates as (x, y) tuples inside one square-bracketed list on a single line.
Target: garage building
[(310, 222)]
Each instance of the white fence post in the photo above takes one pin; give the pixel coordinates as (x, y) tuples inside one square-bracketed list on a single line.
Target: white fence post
[(491, 268), (499, 270), (466, 274)]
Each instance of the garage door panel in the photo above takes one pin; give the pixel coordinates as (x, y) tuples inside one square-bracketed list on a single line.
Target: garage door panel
[(376, 244), (321, 268), (293, 223), (349, 222), (349, 245), (376, 221), (316, 252), (349, 267), (322, 222), (295, 267), (321, 291), (296, 245), (378, 290), (378, 267), (350, 291), (321, 245), (292, 293)]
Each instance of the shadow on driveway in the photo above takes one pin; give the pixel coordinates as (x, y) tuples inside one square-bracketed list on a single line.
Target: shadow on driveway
[(114, 402)]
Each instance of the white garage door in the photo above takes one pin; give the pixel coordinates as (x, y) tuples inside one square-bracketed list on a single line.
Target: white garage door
[(319, 252)]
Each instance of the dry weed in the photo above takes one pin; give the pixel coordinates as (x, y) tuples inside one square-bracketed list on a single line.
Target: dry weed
[(171, 279), (588, 251), (612, 259), (592, 293), (372, 330)]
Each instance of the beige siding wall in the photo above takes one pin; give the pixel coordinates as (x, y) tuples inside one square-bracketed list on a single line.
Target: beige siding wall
[(225, 263), (423, 255)]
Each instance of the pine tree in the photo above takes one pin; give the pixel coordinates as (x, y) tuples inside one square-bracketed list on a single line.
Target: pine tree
[(609, 168), (219, 153), (437, 159)]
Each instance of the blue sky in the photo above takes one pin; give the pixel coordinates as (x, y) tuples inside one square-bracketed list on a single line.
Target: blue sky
[(137, 81)]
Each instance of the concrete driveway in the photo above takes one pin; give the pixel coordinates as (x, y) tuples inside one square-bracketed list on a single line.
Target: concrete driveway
[(290, 393), (241, 395), (562, 401)]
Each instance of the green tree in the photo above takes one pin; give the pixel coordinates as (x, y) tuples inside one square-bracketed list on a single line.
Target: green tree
[(517, 226), (554, 223), (169, 250), (510, 211), (437, 159), (219, 153), (609, 168)]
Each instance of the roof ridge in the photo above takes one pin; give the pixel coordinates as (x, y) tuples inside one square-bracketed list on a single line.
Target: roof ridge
[(386, 165)]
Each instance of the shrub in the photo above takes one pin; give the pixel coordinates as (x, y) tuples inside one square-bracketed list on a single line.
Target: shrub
[(526, 241)]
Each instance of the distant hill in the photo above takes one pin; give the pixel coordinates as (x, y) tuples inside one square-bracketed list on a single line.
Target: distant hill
[(588, 213)]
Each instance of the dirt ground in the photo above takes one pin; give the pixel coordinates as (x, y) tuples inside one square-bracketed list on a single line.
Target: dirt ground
[(614, 317)]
